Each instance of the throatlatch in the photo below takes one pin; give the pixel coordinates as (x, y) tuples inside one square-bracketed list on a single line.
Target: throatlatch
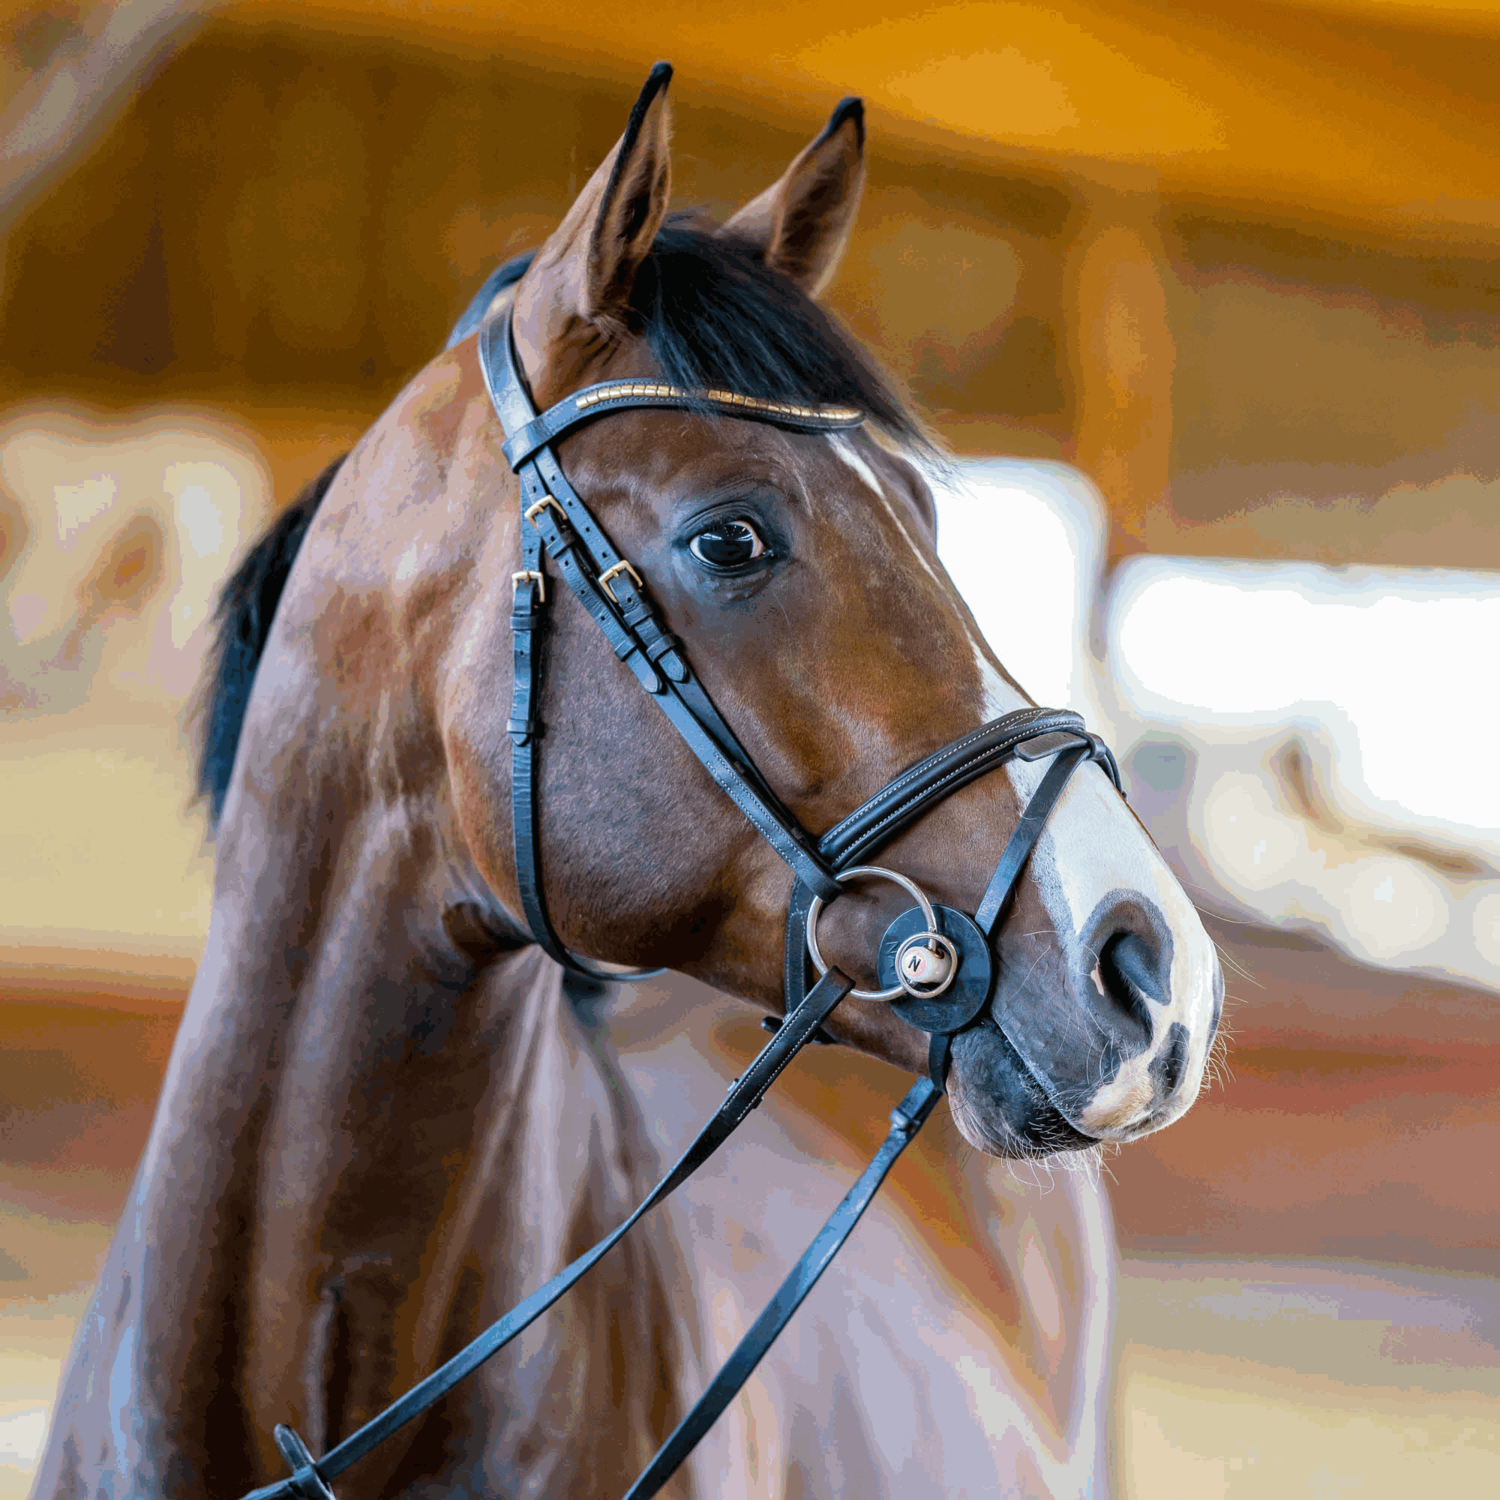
[(936, 963)]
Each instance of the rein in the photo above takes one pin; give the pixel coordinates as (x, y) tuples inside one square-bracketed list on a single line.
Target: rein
[(936, 963)]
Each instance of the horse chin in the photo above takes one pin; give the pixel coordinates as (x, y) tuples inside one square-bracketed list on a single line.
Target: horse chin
[(1000, 1107)]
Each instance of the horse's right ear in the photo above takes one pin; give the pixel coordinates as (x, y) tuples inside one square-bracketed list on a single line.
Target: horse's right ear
[(801, 224), (585, 271)]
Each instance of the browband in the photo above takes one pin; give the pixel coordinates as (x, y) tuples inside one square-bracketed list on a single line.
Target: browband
[(610, 395)]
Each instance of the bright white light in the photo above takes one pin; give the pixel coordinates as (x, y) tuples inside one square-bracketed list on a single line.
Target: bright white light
[(1487, 928), (200, 520), (1020, 541), (1251, 842), (21, 1436), (1406, 655), (1393, 906)]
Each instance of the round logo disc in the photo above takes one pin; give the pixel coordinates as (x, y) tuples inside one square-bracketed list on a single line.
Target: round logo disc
[(970, 990)]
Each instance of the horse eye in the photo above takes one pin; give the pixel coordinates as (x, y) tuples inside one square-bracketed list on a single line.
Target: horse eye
[(727, 545)]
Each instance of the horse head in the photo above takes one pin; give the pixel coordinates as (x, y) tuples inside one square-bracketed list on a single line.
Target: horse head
[(797, 570)]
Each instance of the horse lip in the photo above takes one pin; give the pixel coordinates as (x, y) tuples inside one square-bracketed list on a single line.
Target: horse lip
[(1054, 1096), (1065, 1134)]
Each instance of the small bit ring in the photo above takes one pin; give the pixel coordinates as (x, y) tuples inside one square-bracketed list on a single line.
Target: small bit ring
[(927, 939), (896, 992)]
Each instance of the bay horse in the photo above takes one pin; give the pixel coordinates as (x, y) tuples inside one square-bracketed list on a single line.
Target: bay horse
[(382, 1121)]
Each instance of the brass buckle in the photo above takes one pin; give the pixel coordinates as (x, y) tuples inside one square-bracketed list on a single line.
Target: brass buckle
[(614, 572), (517, 579), (532, 511)]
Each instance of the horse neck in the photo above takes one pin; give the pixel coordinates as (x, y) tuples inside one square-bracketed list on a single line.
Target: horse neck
[(504, 1158), (473, 1154)]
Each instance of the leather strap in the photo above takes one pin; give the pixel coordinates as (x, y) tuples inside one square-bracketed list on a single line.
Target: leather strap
[(906, 797), (744, 1094), (528, 636), (670, 690), (907, 1119), (901, 801), (897, 804), (1024, 835)]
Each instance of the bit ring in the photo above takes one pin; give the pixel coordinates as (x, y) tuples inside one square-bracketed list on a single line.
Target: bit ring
[(879, 872)]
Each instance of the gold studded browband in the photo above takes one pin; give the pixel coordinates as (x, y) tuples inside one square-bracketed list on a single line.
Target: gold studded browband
[(628, 390), (593, 399)]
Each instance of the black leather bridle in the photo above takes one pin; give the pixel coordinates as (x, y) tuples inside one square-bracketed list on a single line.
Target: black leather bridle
[(937, 963)]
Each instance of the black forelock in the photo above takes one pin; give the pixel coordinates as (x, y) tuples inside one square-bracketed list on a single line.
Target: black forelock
[(714, 314)]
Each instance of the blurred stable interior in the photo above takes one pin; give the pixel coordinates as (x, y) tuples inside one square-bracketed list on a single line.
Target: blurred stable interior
[(1224, 287)]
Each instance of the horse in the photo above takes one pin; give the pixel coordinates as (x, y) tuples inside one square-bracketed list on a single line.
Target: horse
[(384, 1119)]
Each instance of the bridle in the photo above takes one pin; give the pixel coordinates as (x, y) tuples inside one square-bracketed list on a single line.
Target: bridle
[(936, 964)]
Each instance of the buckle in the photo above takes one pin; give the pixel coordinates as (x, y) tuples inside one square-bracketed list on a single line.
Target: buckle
[(517, 579), (614, 572), (305, 1482), (532, 511)]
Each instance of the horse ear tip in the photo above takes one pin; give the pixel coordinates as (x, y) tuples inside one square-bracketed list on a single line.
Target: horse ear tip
[(851, 107)]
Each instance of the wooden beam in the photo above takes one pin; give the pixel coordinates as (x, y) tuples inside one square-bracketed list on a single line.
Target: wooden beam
[(1372, 110), (1123, 355)]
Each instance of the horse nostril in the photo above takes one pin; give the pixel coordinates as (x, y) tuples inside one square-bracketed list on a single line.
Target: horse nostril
[(1129, 976), (1168, 1065)]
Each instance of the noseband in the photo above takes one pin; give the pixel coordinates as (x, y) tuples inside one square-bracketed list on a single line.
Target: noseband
[(936, 964)]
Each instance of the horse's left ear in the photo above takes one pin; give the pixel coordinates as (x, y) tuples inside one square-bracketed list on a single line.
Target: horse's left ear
[(801, 224), (587, 268)]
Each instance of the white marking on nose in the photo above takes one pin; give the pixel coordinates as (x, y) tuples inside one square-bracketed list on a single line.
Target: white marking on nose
[(1000, 697), (852, 458), (1090, 848), (849, 455)]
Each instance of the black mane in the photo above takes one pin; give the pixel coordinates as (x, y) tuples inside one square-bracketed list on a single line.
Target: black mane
[(712, 314), (242, 622)]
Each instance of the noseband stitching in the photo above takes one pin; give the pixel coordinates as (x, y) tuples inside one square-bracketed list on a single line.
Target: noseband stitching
[(1000, 751)]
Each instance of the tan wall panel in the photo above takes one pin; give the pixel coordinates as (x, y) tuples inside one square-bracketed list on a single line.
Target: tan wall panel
[(291, 218)]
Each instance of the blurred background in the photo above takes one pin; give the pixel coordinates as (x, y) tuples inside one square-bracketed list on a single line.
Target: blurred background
[(1206, 302)]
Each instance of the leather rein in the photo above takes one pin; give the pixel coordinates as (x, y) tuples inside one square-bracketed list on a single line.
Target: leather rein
[(936, 963)]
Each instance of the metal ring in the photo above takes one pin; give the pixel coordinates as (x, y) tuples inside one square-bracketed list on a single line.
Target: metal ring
[(932, 992), (880, 873)]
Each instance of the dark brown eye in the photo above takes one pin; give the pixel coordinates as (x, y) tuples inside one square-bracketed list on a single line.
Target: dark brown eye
[(727, 545)]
